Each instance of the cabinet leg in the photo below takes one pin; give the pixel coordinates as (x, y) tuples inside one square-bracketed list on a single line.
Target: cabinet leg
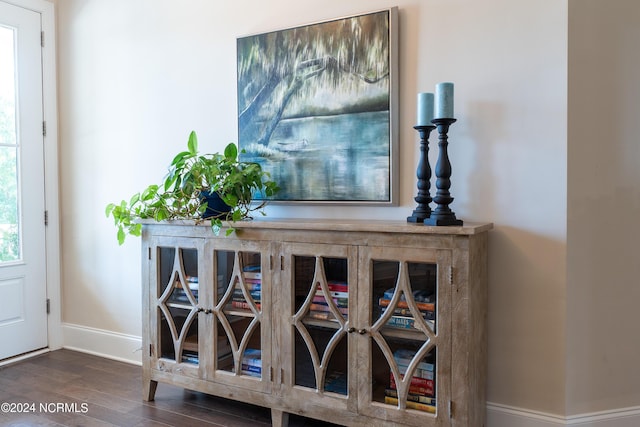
[(279, 418), (149, 390)]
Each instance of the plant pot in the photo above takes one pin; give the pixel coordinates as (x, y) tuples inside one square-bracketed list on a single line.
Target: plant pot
[(216, 207)]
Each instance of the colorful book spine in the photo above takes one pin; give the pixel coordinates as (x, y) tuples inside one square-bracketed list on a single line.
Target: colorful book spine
[(239, 296), (336, 286), (336, 383), (252, 354), (252, 362), (420, 373), (334, 294), (190, 358), (411, 404), (414, 389), (422, 306), (253, 286), (322, 307), (427, 315), (417, 386), (244, 305), (401, 322), (340, 302), (422, 382), (322, 315), (412, 397), (251, 368), (404, 356), (422, 365)]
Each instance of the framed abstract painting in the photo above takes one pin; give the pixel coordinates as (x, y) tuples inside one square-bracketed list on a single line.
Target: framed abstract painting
[(317, 108)]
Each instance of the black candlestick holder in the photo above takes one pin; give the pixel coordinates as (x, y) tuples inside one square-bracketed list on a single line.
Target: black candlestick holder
[(423, 173), (442, 215)]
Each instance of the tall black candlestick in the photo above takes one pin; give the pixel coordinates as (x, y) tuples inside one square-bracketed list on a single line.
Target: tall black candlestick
[(423, 173), (442, 215)]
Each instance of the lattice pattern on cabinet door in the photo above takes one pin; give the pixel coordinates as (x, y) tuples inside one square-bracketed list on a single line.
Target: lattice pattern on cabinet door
[(320, 364), (177, 281), (237, 280), (427, 334)]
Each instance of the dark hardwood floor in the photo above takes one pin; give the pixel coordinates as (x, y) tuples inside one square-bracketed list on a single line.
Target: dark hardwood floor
[(67, 388)]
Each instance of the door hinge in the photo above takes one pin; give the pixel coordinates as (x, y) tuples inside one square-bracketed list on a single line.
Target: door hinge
[(48, 306), (46, 218), (451, 275), (42, 38), (149, 253), (150, 350), (450, 409), (44, 128)]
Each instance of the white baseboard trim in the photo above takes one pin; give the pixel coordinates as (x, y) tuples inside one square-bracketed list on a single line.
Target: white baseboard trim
[(508, 416), (623, 417), (111, 345)]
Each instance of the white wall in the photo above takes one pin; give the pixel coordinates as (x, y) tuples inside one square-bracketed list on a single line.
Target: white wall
[(136, 76), (603, 348)]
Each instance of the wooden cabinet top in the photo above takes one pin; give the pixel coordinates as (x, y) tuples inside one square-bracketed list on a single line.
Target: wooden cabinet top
[(341, 225)]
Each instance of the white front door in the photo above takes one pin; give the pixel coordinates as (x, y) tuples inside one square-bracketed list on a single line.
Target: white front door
[(23, 291)]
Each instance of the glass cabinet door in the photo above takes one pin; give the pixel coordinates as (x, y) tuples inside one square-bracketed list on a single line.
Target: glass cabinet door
[(175, 302), (241, 315), (320, 284), (408, 332)]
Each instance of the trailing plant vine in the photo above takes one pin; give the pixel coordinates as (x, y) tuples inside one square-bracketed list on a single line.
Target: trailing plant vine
[(181, 195)]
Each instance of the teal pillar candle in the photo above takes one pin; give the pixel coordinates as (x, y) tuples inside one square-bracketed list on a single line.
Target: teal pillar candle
[(444, 101), (425, 109)]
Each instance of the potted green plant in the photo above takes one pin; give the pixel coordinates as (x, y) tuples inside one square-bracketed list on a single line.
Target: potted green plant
[(193, 189)]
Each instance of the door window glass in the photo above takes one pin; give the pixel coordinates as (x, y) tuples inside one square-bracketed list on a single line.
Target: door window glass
[(9, 226)]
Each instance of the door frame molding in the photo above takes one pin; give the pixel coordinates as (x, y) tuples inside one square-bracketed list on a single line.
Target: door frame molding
[(46, 9)]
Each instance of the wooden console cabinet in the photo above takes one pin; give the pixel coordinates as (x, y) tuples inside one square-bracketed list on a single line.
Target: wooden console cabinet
[(360, 323)]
